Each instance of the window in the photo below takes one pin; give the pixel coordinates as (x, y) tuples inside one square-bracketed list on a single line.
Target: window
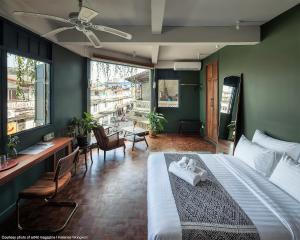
[(119, 92), (28, 93), (227, 97)]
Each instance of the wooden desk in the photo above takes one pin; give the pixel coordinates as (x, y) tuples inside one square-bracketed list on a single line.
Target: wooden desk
[(28, 160)]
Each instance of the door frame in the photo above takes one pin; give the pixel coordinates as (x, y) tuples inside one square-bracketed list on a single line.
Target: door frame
[(216, 116)]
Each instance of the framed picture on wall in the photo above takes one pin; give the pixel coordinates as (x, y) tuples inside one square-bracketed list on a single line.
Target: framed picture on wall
[(168, 93)]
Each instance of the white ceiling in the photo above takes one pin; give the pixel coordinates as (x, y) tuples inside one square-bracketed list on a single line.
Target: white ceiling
[(223, 12), (137, 14)]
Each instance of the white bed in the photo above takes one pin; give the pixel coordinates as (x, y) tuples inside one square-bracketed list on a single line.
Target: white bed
[(275, 214)]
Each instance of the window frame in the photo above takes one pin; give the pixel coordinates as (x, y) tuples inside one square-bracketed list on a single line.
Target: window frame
[(4, 80)]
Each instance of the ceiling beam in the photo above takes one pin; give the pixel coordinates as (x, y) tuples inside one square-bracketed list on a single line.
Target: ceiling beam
[(157, 15), (108, 58), (174, 35), (155, 52)]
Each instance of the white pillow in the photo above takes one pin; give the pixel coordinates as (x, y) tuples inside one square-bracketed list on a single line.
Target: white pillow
[(259, 158), (290, 148), (287, 176)]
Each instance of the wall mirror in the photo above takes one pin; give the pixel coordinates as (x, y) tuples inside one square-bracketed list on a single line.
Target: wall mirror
[(229, 109)]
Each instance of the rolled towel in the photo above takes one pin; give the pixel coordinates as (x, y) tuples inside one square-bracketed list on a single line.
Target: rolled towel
[(202, 173), (183, 162), (188, 176), (191, 166)]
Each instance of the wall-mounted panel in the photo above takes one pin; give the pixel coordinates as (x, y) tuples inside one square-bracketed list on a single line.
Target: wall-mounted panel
[(10, 37), (34, 46), (44, 50), (23, 42)]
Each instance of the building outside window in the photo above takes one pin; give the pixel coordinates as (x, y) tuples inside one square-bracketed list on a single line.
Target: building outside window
[(28, 93), (119, 94)]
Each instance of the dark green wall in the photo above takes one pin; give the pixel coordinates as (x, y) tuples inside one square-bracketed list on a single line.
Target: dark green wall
[(189, 106), (68, 99), (69, 87), (271, 77)]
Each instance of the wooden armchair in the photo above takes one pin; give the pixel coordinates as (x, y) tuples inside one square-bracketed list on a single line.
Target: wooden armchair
[(108, 142), (47, 188)]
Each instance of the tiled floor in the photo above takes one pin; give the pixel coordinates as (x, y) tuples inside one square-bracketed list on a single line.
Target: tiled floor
[(111, 195)]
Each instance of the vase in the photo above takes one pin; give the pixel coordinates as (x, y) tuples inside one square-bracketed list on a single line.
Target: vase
[(12, 153), (152, 134)]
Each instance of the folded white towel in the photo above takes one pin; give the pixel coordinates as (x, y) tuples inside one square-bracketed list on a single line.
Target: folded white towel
[(183, 162), (190, 177)]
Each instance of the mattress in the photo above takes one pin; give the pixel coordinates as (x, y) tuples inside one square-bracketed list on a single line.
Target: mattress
[(275, 214)]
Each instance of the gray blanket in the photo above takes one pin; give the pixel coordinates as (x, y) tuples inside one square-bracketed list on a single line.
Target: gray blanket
[(207, 211)]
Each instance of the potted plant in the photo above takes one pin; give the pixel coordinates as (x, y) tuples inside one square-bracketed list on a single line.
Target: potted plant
[(156, 123), (80, 128), (11, 146)]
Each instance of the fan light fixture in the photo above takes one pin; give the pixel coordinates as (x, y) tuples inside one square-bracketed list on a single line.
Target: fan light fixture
[(80, 21)]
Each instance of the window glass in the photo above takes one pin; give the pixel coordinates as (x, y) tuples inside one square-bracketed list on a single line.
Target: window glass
[(28, 93), (120, 94)]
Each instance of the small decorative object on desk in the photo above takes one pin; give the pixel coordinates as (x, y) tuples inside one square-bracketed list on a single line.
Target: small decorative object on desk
[(6, 163), (48, 137), (2, 160), (11, 146)]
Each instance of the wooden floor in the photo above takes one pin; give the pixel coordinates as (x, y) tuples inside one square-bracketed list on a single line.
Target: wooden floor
[(112, 195)]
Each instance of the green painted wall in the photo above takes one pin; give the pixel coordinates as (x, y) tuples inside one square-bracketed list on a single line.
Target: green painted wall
[(69, 87), (68, 99), (271, 77), (189, 105)]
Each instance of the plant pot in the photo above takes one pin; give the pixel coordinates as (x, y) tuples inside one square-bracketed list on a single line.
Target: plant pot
[(152, 134), (82, 141)]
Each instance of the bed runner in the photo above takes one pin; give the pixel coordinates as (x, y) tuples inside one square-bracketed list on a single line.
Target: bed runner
[(207, 211)]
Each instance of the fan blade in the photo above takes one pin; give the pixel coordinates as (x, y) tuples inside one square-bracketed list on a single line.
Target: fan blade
[(93, 38), (112, 31), (20, 13), (86, 14), (56, 31)]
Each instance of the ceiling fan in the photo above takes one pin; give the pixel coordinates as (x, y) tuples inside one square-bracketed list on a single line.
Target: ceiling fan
[(80, 21)]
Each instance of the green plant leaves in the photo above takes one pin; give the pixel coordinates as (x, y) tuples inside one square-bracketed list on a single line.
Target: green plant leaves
[(156, 121)]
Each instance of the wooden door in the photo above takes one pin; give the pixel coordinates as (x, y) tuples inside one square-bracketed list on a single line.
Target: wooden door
[(212, 102)]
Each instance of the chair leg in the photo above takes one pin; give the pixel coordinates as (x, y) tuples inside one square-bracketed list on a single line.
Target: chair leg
[(124, 148), (72, 205), (104, 155), (75, 166), (146, 141), (91, 155), (18, 214), (85, 159)]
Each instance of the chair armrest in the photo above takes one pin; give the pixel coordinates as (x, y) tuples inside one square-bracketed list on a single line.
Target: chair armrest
[(107, 130), (113, 137)]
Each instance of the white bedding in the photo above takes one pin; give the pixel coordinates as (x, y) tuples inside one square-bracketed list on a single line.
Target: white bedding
[(275, 213)]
